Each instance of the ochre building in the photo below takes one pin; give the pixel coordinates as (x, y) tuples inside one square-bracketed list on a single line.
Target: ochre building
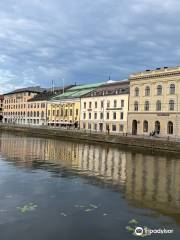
[(154, 103)]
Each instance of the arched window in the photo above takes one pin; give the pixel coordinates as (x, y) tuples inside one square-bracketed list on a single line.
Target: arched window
[(158, 105), (157, 127), (136, 91), (135, 106), (171, 105), (172, 89), (147, 91), (146, 106), (145, 126), (159, 90), (170, 128)]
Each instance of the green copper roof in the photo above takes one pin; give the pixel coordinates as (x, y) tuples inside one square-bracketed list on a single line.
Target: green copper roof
[(73, 94), (85, 86), (78, 91)]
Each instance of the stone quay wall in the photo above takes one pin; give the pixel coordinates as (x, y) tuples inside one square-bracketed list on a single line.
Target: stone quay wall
[(152, 143)]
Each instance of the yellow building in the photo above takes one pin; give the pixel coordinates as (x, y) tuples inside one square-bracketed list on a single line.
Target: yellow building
[(63, 112), (154, 102)]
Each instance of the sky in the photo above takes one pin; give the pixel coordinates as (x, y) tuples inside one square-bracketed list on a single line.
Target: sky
[(85, 41)]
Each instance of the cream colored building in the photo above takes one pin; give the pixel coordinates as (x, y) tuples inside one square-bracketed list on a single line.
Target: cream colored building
[(16, 103), (105, 109), (154, 102)]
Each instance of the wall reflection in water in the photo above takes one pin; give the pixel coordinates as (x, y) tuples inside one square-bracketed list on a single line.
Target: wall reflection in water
[(148, 180)]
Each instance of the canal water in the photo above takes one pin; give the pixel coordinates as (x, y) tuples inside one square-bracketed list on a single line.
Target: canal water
[(62, 190)]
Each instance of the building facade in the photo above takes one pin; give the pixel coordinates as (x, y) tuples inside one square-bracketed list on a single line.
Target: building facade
[(63, 113), (37, 106), (15, 105), (64, 110), (154, 104), (1, 107), (105, 109)]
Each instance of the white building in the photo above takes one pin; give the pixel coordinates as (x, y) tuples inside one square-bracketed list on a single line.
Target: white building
[(105, 109)]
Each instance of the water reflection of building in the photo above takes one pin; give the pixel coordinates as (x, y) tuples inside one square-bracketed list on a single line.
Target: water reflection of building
[(148, 180), (107, 164), (153, 181)]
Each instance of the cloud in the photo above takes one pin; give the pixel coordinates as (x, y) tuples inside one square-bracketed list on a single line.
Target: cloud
[(84, 41)]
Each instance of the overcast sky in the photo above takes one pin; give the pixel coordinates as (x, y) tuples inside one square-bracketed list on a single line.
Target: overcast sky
[(84, 40)]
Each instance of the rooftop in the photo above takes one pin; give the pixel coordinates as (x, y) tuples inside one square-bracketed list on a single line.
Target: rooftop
[(48, 94), (158, 72), (36, 89), (110, 88)]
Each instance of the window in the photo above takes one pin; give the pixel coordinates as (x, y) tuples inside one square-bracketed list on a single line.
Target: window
[(77, 111), (135, 106), (95, 126), (114, 115), (95, 115), (95, 104), (115, 103), (121, 115), (159, 90), (158, 105), (147, 91), (66, 113), (102, 104), (145, 126), (172, 89), (122, 103), (146, 106), (114, 128), (107, 115), (84, 105), (108, 104), (136, 91), (171, 105), (90, 104), (101, 115), (84, 115), (170, 128), (89, 115)]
